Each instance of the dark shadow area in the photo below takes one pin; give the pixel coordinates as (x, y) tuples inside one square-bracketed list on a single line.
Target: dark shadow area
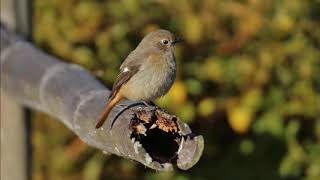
[(160, 145), (224, 155)]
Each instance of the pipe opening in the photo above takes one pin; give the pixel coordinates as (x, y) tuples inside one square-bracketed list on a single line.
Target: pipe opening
[(157, 134)]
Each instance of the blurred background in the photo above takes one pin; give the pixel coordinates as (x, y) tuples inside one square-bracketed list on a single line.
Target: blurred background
[(248, 80)]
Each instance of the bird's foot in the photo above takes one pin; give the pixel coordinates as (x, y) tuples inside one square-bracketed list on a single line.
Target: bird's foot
[(148, 103)]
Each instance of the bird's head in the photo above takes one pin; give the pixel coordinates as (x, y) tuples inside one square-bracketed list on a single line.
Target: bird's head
[(160, 39)]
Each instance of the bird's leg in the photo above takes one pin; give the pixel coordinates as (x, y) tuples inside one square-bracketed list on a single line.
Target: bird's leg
[(146, 103), (149, 103)]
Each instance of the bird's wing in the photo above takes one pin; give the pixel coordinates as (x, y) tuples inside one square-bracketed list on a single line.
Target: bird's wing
[(123, 77), (128, 69)]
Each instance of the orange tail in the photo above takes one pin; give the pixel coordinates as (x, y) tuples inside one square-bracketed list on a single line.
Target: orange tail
[(114, 100)]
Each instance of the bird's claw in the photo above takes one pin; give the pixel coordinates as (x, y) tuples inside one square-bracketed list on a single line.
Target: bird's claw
[(148, 104)]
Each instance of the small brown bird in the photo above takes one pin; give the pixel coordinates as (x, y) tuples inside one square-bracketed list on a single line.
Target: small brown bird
[(147, 73)]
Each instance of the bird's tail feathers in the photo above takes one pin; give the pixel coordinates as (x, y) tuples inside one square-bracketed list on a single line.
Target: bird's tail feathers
[(113, 101)]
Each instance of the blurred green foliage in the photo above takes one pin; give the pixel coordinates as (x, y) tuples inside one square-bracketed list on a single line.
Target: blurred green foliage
[(248, 80)]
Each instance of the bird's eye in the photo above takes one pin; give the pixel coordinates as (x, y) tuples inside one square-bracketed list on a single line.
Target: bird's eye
[(165, 41)]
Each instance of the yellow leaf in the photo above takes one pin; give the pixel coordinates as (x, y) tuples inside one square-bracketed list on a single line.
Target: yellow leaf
[(193, 29), (206, 107), (239, 118), (176, 96), (178, 93)]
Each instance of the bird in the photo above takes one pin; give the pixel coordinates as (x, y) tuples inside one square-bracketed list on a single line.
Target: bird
[(147, 73)]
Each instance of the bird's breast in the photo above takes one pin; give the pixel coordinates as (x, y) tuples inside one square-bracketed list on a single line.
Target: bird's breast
[(151, 81)]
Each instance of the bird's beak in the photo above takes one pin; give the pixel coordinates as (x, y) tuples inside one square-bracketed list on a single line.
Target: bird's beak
[(177, 40)]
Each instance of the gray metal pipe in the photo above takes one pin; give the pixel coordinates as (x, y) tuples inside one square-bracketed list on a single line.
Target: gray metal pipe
[(68, 92)]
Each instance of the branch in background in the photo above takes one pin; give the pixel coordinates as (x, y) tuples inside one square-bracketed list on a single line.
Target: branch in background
[(148, 135)]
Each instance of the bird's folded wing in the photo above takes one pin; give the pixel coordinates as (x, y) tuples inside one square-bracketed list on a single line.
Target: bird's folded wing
[(124, 76), (131, 65)]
